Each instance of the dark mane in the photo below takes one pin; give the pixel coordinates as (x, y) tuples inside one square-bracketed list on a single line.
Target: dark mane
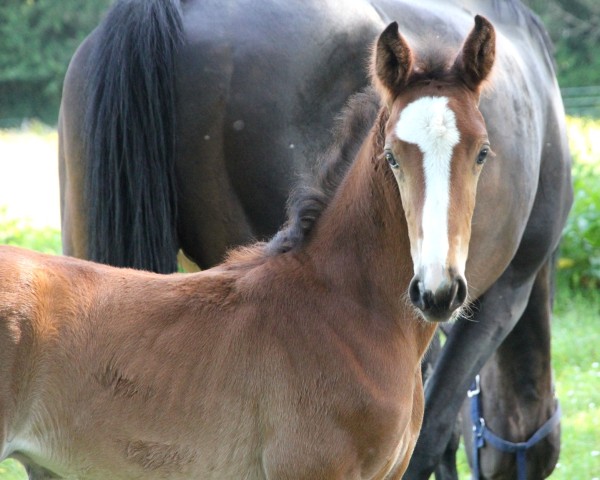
[(312, 196)]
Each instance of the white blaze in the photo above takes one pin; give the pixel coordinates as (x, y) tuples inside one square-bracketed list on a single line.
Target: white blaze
[(431, 125)]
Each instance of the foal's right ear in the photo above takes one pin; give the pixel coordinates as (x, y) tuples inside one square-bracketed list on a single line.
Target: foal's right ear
[(393, 61)]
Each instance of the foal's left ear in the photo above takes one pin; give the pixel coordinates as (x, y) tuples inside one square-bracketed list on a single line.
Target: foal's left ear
[(393, 61), (476, 59)]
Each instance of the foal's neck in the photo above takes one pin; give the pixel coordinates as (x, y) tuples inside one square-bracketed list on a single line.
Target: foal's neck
[(361, 241)]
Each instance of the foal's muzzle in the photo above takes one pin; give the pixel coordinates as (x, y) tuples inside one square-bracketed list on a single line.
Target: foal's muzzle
[(438, 305)]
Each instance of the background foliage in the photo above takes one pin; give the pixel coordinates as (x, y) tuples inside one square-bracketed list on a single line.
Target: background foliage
[(38, 38), (579, 265), (574, 26)]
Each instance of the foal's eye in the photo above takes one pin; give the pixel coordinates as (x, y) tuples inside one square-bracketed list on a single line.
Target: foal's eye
[(389, 157), (483, 155)]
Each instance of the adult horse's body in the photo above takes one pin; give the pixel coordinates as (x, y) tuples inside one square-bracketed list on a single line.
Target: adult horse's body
[(230, 151), (253, 88), (297, 359)]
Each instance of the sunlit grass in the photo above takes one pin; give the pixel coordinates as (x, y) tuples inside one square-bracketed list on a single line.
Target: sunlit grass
[(29, 174), (583, 136), (12, 470)]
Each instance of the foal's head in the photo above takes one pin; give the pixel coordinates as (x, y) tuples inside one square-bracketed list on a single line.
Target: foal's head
[(436, 144)]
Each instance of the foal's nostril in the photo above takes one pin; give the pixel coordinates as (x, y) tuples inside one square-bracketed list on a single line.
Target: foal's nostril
[(457, 294), (438, 305), (424, 300), (414, 292), (461, 292)]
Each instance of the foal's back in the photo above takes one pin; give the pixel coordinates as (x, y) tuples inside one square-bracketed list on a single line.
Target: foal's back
[(125, 371)]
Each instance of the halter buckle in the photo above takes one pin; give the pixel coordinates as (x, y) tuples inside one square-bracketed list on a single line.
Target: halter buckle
[(474, 390)]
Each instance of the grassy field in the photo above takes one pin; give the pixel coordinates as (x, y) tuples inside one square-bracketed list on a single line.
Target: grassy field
[(30, 218), (29, 175)]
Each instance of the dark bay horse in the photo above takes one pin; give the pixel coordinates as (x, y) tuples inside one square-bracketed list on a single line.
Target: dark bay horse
[(254, 88), (296, 359), (209, 111)]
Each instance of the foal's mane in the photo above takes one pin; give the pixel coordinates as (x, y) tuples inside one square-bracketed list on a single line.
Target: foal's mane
[(315, 191)]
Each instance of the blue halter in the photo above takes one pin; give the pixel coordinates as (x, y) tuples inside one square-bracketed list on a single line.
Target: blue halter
[(482, 434)]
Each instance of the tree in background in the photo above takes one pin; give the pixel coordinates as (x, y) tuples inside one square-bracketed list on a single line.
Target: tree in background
[(37, 40), (574, 26)]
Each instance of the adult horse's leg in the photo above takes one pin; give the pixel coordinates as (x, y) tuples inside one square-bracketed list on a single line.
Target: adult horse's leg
[(468, 347), (517, 394), (211, 216), (446, 469)]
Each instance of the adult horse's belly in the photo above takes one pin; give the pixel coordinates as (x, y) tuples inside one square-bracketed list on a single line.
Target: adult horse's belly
[(505, 197)]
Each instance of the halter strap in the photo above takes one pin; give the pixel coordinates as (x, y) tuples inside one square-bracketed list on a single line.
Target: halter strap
[(482, 434)]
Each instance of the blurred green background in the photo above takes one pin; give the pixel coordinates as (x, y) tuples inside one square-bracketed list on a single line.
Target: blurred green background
[(38, 37)]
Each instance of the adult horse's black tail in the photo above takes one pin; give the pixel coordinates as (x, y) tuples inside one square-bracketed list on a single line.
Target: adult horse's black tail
[(130, 136)]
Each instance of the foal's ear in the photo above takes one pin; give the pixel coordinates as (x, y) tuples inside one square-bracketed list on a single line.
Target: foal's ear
[(476, 59), (393, 61)]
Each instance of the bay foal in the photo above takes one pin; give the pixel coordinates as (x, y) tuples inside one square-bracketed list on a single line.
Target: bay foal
[(297, 359)]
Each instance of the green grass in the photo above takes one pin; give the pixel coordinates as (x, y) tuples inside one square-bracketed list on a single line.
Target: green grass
[(20, 233), (576, 359), (12, 470)]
